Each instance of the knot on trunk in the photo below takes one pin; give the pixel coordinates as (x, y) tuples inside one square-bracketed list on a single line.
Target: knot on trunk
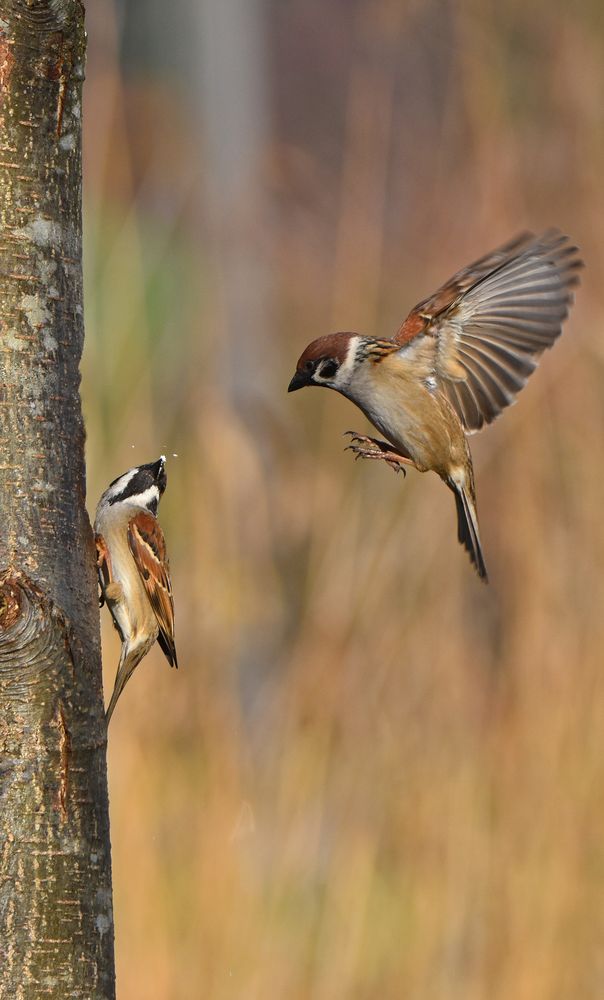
[(20, 609), (31, 628), (10, 602)]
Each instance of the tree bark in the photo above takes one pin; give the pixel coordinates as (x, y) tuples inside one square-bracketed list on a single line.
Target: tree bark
[(56, 923)]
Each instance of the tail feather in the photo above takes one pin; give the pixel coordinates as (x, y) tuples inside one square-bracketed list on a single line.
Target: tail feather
[(129, 660), (467, 527)]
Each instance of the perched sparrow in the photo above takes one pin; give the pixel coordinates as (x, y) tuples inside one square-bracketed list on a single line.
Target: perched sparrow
[(459, 358), (133, 568)]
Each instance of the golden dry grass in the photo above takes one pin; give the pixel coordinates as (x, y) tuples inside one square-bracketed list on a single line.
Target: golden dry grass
[(372, 777)]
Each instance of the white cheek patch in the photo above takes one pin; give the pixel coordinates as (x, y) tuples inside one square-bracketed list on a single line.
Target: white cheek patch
[(120, 484), (148, 498), (346, 369)]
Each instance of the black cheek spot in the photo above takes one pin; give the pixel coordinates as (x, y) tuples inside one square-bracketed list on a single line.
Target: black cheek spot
[(329, 369)]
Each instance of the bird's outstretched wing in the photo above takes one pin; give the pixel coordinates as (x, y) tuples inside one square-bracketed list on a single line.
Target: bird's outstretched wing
[(489, 323), (148, 546)]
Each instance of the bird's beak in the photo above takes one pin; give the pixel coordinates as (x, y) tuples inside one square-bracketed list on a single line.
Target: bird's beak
[(299, 380), (159, 473)]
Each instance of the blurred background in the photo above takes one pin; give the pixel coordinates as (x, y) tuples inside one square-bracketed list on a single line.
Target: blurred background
[(372, 776)]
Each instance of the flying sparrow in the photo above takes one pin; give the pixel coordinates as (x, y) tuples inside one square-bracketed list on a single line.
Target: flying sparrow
[(133, 569), (457, 361)]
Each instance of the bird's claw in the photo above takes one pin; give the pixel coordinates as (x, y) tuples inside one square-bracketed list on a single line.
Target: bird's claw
[(374, 452), (360, 438), (396, 466)]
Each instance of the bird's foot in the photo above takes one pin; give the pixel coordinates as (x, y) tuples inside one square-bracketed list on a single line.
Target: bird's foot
[(368, 447)]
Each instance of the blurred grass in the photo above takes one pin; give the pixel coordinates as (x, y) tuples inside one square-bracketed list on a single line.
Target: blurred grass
[(372, 776)]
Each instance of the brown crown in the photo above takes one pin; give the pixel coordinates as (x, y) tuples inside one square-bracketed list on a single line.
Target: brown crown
[(334, 345)]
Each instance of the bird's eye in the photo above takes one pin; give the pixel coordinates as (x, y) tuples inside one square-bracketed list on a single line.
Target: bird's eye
[(308, 366), (329, 369)]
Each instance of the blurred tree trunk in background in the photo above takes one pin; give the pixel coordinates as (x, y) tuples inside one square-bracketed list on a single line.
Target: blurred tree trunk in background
[(233, 100), (56, 924), (232, 93)]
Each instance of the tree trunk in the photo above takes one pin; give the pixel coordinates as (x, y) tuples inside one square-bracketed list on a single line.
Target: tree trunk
[(56, 924)]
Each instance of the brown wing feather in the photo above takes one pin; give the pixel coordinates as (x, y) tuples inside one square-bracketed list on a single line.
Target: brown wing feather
[(148, 546), (492, 320), (428, 309)]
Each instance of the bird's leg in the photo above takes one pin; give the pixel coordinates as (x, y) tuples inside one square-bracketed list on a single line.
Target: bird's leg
[(102, 565), (378, 449)]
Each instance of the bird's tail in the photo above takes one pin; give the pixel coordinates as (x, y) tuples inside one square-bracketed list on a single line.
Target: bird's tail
[(129, 659), (467, 523)]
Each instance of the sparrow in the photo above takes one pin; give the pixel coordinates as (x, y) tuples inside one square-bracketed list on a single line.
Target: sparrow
[(134, 574), (460, 357)]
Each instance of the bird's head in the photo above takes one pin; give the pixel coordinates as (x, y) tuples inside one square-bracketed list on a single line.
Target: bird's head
[(141, 487), (328, 361)]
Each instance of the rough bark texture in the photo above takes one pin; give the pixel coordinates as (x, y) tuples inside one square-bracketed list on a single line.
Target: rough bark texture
[(56, 926)]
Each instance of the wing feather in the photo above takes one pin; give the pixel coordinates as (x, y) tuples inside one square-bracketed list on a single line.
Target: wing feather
[(490, 323), (148, 547)]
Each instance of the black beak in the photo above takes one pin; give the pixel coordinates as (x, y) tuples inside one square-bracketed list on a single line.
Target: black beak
[(299, 380)]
